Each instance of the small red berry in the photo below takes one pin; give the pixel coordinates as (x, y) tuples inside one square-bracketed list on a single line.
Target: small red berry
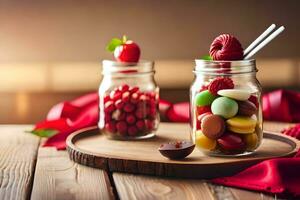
[(220, 83), (132, 131), (140, 124), (122, 127), (130, 119), (128, 107)]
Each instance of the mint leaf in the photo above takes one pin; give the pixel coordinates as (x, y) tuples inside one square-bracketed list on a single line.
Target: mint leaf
[(113, 44), (207, 57), (43, 132)]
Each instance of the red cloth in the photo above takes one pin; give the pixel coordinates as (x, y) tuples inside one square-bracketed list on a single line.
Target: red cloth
[(278, 176)]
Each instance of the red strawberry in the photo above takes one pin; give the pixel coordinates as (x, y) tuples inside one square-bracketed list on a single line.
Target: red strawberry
[(124, 50), (220, 83), (226, 47)]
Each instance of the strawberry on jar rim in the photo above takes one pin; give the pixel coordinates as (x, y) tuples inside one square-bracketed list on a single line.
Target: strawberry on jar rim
[(124, 50)]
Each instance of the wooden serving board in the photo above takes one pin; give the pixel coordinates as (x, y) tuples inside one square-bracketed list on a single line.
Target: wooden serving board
[(89, 147)]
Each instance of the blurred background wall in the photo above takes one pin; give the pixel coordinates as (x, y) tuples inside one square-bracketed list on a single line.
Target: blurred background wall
[(51, 50)]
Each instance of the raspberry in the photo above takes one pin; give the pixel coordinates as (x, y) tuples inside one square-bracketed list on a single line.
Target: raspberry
[(293, 131), (220, 83), (226, 47), (203, 87)]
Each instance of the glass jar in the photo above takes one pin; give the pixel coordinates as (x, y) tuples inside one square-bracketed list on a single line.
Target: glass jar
[(128, 100), (225, 108)]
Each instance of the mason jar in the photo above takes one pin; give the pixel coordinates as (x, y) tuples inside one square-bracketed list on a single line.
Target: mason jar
[(128, 100), (225, 108)]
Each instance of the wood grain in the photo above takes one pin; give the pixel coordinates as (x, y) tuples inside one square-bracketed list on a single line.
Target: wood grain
[(240, 194), (18, 152), (56, 177), (90, 148), (146, 187)]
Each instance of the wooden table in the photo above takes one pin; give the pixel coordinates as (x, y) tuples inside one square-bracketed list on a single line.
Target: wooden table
[(28, 171)]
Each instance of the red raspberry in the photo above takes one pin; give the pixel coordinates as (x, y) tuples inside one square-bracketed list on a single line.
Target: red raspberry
[(140, 125), (226, 47), (119, 104), (109, 107), (133, 89), (130, 119), (111, 127), (203, 87), (220, 83), (115, 95), (149, 124), (128, 107), (132, 131), (122, 127), (125, 96), (203, 109), (124, 88), (254, 100), (140, 113), (134, 98)]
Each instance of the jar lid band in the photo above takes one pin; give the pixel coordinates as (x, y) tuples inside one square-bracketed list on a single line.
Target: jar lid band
[(143, 66), (225, 67)]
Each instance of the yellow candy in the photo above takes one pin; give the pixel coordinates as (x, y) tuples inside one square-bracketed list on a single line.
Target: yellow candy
[(204, 142), (241, 130), (242, 122), (251, 141)]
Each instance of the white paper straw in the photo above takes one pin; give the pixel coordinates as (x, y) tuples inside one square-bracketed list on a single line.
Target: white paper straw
[(259, 39), (265, 42)]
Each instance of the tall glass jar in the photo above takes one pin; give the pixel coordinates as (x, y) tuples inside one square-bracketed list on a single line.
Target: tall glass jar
[(128, 100), (225, 108)]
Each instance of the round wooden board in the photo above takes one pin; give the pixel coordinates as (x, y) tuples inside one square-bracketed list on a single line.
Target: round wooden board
[(89, 147)]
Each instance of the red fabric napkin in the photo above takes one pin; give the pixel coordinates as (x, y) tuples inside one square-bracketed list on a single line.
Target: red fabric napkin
[(278, 176)]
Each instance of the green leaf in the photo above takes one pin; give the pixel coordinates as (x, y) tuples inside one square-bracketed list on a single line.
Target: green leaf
[(207, 57), (113, 44), (43, 132)]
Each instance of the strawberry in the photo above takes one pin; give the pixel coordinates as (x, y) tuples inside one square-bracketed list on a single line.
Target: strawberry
[(124, 50)]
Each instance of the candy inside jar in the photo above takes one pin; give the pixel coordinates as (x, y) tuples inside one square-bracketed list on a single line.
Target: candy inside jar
[(128, 102), (226, 116)]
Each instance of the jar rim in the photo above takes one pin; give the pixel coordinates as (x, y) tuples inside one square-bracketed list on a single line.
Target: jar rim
[(111, 67), (221, 67)]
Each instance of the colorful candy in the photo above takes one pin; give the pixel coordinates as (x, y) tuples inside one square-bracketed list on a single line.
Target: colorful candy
[(212, 126), (241, 124), (204, 142), (246, 108), (231, 142), (237, 94), (224, 107), (204, 98)]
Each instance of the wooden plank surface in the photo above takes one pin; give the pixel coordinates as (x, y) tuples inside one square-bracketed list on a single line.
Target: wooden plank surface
[(56, 177), (17, 161), (130, 187)]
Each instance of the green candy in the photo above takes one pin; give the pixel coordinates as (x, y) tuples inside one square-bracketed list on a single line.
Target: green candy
[(224, 107), (204, 98)]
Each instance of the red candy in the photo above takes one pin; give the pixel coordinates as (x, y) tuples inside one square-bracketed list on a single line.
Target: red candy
[(226, 47), (203, 109), (220, 83), (254, 100), (231, 142), (129, 112)]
